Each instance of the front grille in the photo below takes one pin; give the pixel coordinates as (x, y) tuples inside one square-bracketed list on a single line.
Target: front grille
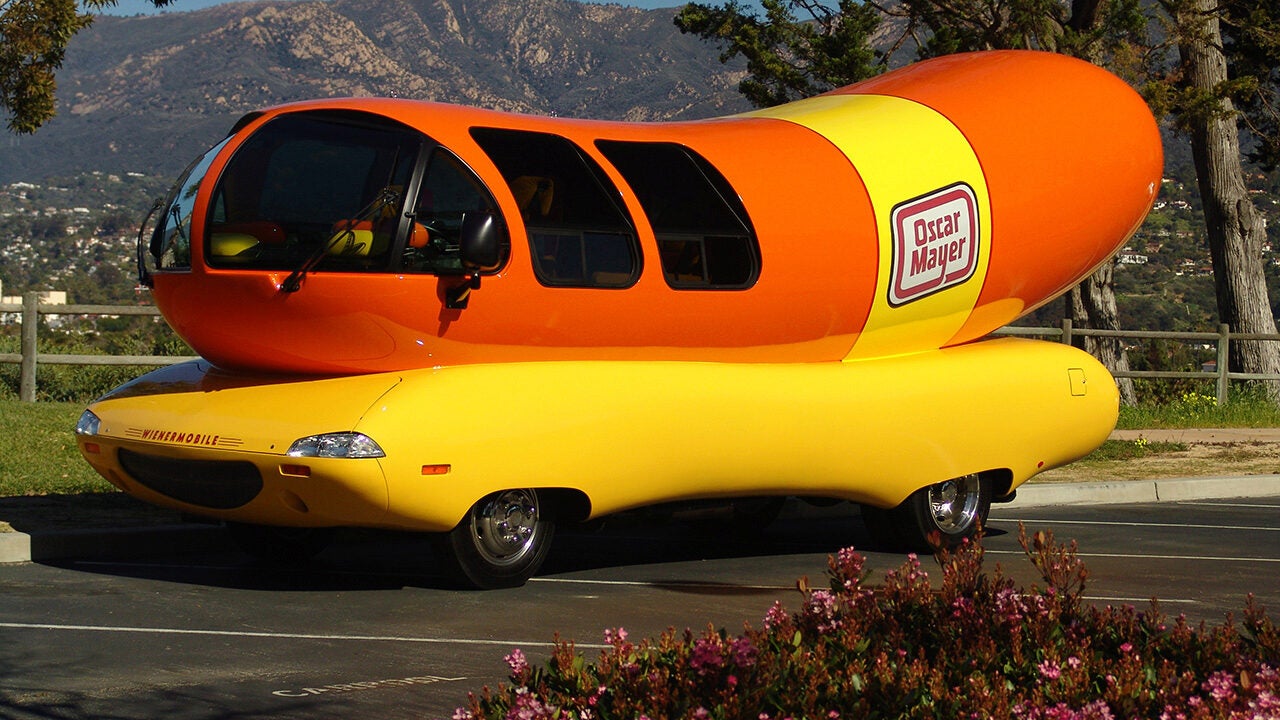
[(215, 484)]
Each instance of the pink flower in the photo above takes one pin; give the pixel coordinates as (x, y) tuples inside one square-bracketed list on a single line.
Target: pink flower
[(706, 656), (1049, 670), (743, 652), (517, 662), (822, 606), (776, 616), (1221, 685)]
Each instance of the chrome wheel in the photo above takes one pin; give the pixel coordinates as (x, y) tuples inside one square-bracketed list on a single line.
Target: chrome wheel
[(501, 542), (939, 515), (955, 504), (504, 526)]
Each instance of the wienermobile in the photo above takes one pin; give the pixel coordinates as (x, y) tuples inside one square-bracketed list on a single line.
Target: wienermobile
[(478, 324)]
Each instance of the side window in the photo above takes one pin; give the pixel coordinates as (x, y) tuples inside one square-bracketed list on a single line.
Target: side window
[(314, 189), (448, 194), (703, 232), (578, 232)]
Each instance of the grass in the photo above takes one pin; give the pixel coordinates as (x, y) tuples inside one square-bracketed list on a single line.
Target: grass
[(38, 454), (1248, 408), (1114, 450)]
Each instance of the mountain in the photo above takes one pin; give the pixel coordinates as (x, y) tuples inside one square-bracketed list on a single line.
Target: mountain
[(148, 93)]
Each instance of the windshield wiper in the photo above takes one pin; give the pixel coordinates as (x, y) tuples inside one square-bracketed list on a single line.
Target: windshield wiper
[(144, 275), (347, 231)]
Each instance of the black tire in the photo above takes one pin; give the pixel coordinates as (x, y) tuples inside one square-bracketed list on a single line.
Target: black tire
[(944, 513), (501, 542), (280, 545)]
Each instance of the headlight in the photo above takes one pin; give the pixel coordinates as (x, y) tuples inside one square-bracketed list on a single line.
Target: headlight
[(336, 445), (87, 424)]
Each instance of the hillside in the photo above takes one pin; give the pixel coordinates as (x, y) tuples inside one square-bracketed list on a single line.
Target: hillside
[(141, 96), (148, 93)]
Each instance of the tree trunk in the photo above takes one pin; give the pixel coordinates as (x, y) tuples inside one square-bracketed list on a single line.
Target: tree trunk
[(1236, 230), (1093, 305)]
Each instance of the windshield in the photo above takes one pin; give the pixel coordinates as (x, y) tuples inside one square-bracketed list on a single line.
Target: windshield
[(313, 190), (171, 241)]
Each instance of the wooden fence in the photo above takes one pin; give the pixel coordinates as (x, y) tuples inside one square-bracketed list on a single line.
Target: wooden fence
[(30, 358)]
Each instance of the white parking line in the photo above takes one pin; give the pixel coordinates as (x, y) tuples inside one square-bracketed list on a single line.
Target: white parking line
[(287, 636), (1200, 526), (1230, 504), (1135, 556), (1136, 601), (663, 584)]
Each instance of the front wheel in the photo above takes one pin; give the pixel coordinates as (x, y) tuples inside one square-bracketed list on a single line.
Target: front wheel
[(501, 542), (942, 514)]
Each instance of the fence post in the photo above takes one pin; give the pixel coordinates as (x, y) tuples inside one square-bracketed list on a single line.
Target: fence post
[(30, 325), (1067, 339), (1224, 358)]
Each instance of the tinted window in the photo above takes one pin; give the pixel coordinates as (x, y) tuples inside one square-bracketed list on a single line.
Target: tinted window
[(578, 232), (704, 236), (325, 185), (171, 241), (449, 193)]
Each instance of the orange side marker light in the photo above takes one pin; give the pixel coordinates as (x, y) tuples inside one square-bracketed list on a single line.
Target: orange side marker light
[(295, 470), (441, 469)]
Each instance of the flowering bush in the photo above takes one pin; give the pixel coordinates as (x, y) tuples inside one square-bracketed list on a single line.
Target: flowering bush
[(977, 646), (1194, 405)]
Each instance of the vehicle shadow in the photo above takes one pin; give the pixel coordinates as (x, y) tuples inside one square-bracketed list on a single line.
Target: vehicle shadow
[(642, 547)]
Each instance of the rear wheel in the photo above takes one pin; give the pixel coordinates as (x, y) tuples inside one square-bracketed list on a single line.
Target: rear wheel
[(501, 542), (945, 513)]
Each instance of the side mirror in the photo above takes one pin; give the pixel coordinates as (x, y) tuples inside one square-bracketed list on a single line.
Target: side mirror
[(480, 248), (481, 242)]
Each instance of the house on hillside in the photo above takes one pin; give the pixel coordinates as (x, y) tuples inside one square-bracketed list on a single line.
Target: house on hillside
[(47, 297)]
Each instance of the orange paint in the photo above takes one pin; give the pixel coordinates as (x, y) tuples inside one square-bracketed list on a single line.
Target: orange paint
[(1071, 155), (1069, 158)]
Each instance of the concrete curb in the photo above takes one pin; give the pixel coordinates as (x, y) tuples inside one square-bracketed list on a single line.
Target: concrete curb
[(17, 547), (1146, 491)]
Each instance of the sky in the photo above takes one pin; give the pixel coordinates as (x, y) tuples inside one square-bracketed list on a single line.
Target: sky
[(142, 7)]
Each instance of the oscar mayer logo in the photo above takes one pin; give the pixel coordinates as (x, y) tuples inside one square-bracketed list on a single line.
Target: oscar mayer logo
[(935, 243)]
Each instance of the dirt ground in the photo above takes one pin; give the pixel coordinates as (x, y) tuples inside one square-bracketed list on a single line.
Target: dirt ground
[(1213, 452), (1209, 453)]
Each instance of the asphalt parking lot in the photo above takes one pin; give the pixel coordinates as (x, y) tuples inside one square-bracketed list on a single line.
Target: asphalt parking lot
[(369, 630)]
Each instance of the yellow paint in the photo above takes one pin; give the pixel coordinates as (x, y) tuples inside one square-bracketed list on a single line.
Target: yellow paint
[(628, 434), (903, 151)]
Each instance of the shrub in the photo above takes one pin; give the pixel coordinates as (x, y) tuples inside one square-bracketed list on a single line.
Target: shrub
[(977, 646)]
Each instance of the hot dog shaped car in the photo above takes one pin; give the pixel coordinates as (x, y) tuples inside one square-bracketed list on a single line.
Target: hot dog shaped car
[(422, 316)]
